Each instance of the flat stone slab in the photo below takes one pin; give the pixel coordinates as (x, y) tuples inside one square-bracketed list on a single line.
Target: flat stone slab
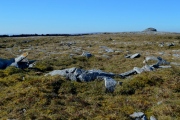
[(136, 55)]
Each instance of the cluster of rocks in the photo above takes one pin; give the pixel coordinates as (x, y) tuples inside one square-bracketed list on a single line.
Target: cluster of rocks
[(67, 44), (146, 67), (167, 44), (80, 75)]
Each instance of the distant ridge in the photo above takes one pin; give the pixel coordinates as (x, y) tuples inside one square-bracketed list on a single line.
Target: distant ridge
[(146, 31)]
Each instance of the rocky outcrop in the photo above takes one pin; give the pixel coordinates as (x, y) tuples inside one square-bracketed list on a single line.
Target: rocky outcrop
[(150, 30), (158, 62), (80, 75)]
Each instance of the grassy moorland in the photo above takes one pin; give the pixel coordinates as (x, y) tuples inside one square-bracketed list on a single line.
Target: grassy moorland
[(28, 94)]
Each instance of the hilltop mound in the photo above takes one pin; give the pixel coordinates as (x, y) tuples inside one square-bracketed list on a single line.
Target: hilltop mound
[(150, 30)]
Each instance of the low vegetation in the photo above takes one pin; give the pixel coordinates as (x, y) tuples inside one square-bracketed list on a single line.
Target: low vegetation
[(28, 94)]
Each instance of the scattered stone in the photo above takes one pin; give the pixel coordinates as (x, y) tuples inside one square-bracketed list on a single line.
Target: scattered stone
[(164, 66), (67, 43), (159, 60), (137, 55), (71, 55), (57, 72), (119, 83), (144, 68), (152, 118), (118, 51), (108, 50), (174, 63), (147, 68), (170, 44), (161, 44), (128, 73), (106, 56), (176, 55), (26, 41), (127, 56), (160, 102), (161, 53), (86, 54), (138, 116)]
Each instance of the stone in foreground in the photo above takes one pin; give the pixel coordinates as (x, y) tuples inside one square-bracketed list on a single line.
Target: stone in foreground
[(138, 116)]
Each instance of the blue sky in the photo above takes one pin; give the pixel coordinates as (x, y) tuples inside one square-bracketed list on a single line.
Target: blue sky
[(82, 16)]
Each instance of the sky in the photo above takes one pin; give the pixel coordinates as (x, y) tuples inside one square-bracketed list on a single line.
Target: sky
[(86, 16)]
